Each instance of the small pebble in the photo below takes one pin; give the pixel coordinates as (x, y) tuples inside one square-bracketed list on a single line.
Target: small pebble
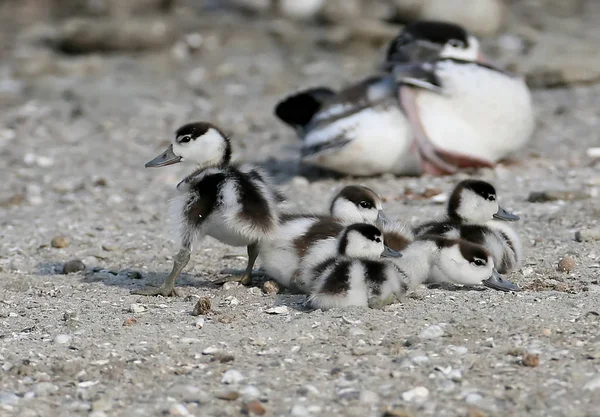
[(271, 287), (587, 235), (530, 359), (202, 307), (188, 393), (61, 339), (60, 242), (473, 398), (109, 247), (546, 196), (547, 332), (250, 393), (277, 310), (475, 412), (298, 410), (228, 395), (431, 332), (212, 350), (254, 407), (566, 264), (43, 389), (178, 410), (592, 384), (98, 413), (199, 323), (369, 397), (129, 321), (232, 377), (417, 394), (72, 266), (8, 398), (137, 308), (397, 412)]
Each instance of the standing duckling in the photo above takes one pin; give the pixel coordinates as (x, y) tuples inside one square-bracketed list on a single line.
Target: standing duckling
[(280, 255), (474, 214), (463, 111), (355, 275), (236, 205)]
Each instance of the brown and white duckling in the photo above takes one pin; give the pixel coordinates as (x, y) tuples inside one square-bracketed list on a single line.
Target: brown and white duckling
[(355, 274), (438, 259), (463, 111), (474, 214), (236, 205), (280, 255)]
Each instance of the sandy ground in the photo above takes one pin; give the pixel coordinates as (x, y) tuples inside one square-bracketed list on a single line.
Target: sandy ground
[(74, 142)]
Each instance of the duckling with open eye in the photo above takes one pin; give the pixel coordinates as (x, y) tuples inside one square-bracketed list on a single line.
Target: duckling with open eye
[(357, 277), (473, 214), (355, 274), (280, 255), (236, 205)]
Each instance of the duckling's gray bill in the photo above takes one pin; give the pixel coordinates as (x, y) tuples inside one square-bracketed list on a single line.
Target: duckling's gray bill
[(496, 282), (168, 157), (390, 253), (505, 215)]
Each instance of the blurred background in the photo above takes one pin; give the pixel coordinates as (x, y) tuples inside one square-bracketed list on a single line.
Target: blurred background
[(88, 87)]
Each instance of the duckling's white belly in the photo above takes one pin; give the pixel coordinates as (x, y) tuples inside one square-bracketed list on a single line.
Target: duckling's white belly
[(483, 113), (278, 255), (379, 142)]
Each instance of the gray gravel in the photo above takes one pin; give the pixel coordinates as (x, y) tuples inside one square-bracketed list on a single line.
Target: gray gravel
[(74, 135)]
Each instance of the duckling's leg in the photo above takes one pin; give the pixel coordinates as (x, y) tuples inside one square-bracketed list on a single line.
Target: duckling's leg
[(167, 289), (246, 278)]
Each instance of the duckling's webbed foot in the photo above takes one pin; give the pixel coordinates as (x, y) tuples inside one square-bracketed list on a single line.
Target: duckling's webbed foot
[(377, 302), (167, 289), (246, 278)]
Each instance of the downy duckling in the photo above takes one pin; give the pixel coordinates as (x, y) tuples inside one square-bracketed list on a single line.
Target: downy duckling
[(236, 205), (359, 130), (355, 275), (463, 111), (280, 255), (474, 214), (437, 259)]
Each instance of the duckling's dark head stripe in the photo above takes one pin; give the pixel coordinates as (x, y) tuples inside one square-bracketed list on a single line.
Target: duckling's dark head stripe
[(405, 47), (471, 251), (481, 188), (436, 31), (369, 231), (358, 194)]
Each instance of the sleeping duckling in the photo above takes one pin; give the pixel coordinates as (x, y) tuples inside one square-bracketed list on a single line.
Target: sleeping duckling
[(473, 214), (236, 205), (281, 253)]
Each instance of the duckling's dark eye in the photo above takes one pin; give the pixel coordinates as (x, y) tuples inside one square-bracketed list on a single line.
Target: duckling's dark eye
[(184, 139), (492, 197), (479, 262), (377, 240), (365, 204), (456, 43)]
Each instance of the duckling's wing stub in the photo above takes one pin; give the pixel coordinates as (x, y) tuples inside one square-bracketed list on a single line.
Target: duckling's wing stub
[(299, 109)]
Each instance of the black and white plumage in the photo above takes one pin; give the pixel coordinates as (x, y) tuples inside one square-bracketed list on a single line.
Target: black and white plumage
[(438, 259), (356, 274), (359, 130), (473, 214), (236, 205), (280, 255), (463, 111)]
